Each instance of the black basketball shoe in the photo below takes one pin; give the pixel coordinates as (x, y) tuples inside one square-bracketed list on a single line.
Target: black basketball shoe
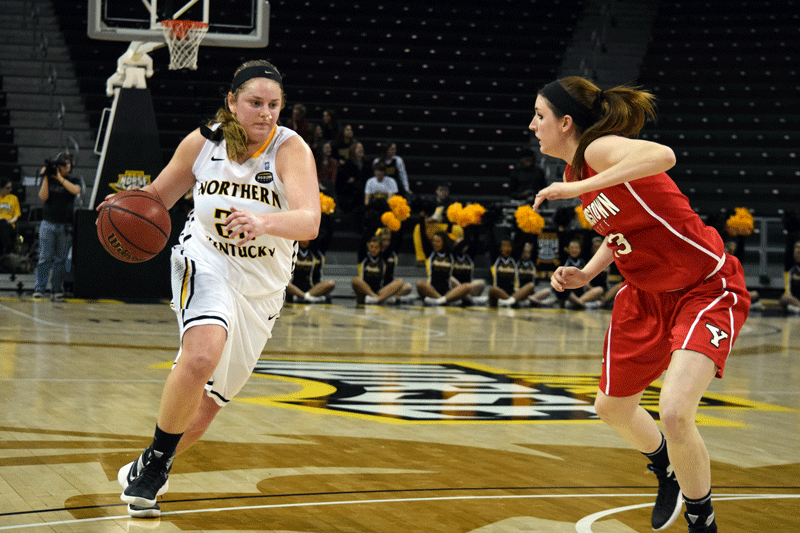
[(669, 500), (145, 479)]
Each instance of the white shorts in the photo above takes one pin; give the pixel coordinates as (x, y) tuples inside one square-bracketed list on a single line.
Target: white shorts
[(200, 295)]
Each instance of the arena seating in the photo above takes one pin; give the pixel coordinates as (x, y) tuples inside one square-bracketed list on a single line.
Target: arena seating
[(455, 97), (726, 78)]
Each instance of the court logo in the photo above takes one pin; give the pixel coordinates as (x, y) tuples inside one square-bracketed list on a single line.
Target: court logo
[(425, 392), (456, 393)]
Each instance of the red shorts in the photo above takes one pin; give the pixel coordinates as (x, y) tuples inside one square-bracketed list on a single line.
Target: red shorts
[(647, 327)]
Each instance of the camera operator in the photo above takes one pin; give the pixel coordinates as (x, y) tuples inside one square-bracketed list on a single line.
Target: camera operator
[(58, 192)]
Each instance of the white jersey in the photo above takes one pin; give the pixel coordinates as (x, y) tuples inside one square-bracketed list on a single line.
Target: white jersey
[(263, 266)]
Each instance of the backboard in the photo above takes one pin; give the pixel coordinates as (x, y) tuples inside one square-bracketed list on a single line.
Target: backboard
[(233, 23)]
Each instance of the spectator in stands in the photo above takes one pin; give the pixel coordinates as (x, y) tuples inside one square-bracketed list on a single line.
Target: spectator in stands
[(395, 167), (527, 178), (327, 169), (790, 300), (58, 191), (377, 192), (9, 214), (675, 269), (436, 289), (330, 125), (307, 285), (317, 140), (579, 296), (351, 178), (299, 122), (379, 187), (506, 290), (345, 138), (369, 285)]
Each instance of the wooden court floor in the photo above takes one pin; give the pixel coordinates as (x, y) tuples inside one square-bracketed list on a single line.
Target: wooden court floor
[(377, 419)]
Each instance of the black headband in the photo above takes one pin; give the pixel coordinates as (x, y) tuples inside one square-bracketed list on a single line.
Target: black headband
[(257, 71), (557, 95)]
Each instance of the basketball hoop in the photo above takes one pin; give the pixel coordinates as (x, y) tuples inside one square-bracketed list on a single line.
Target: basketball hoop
[(183, 40)]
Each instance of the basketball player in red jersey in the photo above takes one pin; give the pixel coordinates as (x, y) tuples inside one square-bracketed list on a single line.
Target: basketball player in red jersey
[(683, 302)]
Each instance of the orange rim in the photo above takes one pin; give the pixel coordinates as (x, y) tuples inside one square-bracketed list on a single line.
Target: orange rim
[(180, 28)]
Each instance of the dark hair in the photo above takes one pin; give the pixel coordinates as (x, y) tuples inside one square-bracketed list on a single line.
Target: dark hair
[(385, 145), (63, 159), (4, 181), (618, 111), (351, 151)]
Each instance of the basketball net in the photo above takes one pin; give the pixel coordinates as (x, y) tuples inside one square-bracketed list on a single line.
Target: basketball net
[(183, 40)]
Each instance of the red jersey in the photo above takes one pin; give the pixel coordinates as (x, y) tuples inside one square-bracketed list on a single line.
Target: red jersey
[(659, 243)]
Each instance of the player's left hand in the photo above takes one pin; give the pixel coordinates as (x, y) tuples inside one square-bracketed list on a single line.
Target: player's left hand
[(243, 224), (568, 278)]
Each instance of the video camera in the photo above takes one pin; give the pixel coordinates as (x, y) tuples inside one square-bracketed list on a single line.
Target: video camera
[(50, 167)]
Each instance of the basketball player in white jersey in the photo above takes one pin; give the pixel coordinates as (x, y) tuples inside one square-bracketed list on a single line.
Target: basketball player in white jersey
[(255, 191)]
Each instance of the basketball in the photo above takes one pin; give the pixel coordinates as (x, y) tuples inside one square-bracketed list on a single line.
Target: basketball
[(134, 226)]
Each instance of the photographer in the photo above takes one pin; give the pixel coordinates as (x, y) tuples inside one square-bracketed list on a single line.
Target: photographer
[(58, 192)]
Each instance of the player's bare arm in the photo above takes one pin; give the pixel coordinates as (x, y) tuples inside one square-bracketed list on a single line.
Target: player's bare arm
[(175, 180), (618, 160), (177, 176), (295, 166)]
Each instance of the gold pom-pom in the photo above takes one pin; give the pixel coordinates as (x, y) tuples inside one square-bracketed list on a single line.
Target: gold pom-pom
[(529, 220), (326, 204), (585, 224), (390, 221), (454, 212), (471, 214), (740, 223), (399, 207)]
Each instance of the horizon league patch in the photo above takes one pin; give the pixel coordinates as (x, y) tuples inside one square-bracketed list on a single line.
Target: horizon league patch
[(452, 392), (431, 392)]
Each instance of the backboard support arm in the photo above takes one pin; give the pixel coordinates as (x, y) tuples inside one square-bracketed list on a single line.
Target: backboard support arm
[(133, 67)]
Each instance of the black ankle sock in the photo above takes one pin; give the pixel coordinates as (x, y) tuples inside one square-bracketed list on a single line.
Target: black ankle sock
[(166, 442), (701, 507), (659, 457)]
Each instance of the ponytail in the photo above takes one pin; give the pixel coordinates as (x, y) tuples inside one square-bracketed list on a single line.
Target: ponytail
[(618, 111), (233, 132)]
